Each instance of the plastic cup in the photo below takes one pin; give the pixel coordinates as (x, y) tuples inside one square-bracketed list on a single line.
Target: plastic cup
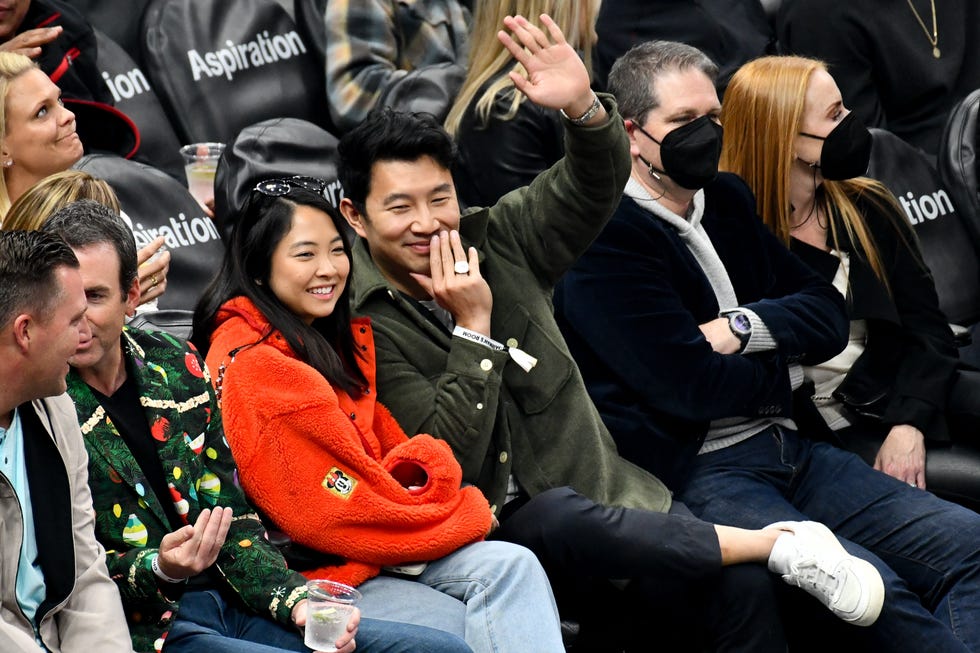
[(328, 609), (200, 164)]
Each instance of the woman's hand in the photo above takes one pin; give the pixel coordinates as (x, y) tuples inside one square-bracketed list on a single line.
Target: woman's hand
[(153, 273), (345, 643), (903, 455)]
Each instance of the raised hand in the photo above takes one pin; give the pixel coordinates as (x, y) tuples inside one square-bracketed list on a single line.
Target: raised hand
[(556, 76), (192, 549), (466, 295)]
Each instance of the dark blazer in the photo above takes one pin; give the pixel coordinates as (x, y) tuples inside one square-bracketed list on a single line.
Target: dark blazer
[(630, 310), (910, 358)]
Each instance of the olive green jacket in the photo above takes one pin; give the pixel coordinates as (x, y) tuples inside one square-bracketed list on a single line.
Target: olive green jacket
[(499, 420)]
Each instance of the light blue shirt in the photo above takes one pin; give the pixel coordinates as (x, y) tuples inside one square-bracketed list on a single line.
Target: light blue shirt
[(30, 580)]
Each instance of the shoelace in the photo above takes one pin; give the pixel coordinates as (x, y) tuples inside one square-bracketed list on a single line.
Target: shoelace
[(809, 574)]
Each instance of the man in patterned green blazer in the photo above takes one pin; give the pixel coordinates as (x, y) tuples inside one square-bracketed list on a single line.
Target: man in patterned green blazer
[(189, 555)]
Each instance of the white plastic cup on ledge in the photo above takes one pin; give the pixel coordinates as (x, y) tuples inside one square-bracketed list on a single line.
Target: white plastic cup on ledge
[(328, 610)]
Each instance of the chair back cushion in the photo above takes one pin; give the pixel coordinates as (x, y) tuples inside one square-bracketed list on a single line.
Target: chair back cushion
[(947, 241), (132, 94), (280, 147), (220, 66), (155, 204)]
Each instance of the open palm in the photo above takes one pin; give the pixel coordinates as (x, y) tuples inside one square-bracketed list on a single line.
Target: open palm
[(556, 76)]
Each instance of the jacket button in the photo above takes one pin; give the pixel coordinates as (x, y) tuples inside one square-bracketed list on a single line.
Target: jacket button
[(363, 330), (353, 416), (486, 365), (503, 456), (511, 342), (479, 406)]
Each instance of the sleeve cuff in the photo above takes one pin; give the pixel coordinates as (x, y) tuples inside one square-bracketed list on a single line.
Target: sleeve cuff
[(761, 338)]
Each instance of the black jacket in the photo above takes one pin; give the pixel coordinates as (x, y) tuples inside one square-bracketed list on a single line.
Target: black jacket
[(910, 358)]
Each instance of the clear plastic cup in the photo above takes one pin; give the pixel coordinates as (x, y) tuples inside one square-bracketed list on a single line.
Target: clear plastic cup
[(200, 165), (329, 607)]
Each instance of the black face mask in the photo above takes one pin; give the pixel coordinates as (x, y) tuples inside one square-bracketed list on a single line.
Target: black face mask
[(846, 150), (689, 153)]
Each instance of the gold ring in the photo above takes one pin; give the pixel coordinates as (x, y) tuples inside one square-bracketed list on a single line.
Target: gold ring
[(153, 281)]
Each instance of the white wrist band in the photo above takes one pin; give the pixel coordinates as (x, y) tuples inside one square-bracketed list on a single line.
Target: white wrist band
[(155, 566)]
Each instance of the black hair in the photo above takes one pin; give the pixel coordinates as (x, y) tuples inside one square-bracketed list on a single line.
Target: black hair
[(389, 135), (85, 223), (28, 261), (328, 344)]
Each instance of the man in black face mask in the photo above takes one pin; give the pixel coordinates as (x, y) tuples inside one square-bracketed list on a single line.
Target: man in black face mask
[(689, 321)]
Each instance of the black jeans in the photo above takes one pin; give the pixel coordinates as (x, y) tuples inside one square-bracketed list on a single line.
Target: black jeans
[(679, 596)]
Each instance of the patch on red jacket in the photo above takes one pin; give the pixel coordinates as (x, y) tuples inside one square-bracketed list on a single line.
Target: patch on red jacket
[(339, 483)]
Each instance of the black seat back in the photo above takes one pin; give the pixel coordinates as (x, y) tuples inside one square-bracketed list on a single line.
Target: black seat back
[(132, 94), (280, 147), (121, 23), (958, 158), (155, 204), (220, 66), (947, 240)]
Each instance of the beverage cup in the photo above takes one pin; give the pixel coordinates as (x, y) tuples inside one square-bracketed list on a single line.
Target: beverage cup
[(328, 609), (200, 164)]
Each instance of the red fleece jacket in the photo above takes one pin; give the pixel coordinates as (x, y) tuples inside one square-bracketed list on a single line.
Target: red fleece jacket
[(336, 474)]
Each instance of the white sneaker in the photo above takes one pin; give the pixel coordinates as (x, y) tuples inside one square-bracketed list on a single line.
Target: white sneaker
[(809, 556)]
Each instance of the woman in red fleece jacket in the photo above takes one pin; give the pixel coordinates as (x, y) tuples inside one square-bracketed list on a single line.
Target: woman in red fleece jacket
[(325, 461)]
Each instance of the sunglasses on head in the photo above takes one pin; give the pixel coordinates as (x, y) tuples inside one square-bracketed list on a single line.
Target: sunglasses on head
[(282, 186)]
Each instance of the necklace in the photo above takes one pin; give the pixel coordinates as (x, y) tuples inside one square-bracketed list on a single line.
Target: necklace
[(934, 39)]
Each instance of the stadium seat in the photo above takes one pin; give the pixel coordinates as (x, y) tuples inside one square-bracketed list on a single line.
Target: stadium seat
[(280, 147), (133, 95), (947, 240), (156, 204), (220, 66), (958, 158)]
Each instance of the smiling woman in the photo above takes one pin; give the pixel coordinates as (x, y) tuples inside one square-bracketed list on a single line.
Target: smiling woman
[(323, 459)]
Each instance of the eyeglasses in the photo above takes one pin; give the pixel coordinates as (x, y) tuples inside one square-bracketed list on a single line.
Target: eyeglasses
[(280, 187)]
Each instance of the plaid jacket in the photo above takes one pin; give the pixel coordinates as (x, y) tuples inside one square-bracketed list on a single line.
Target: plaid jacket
[(177, 397), (371, 44)]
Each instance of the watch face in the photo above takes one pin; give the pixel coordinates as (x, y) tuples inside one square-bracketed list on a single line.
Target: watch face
[(740, 322)]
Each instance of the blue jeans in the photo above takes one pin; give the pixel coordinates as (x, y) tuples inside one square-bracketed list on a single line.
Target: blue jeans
[(494, 594), (206, 623), (927, 550)]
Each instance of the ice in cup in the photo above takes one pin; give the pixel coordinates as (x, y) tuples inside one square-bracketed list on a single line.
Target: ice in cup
[(328, 609), (200, 164)]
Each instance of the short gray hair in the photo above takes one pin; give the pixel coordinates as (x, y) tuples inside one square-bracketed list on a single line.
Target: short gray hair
[(632, 76)]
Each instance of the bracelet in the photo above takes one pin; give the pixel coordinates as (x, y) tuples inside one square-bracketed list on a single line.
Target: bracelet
[(588, 115), (155, 566)]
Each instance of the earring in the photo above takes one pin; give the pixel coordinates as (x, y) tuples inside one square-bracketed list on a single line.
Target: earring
[(8, 163)]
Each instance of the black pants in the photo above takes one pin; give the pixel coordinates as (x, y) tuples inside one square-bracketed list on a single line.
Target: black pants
[(679, 596)]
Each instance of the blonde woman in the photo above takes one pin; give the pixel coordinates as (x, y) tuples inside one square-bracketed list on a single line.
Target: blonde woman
[(504, 140), (52, 193), (803, 153)]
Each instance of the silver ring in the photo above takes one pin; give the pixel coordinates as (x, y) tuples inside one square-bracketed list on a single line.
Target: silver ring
[(461, 267), (914, 484)]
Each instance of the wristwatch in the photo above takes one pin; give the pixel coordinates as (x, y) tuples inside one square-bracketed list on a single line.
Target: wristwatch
[(741, 328)]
